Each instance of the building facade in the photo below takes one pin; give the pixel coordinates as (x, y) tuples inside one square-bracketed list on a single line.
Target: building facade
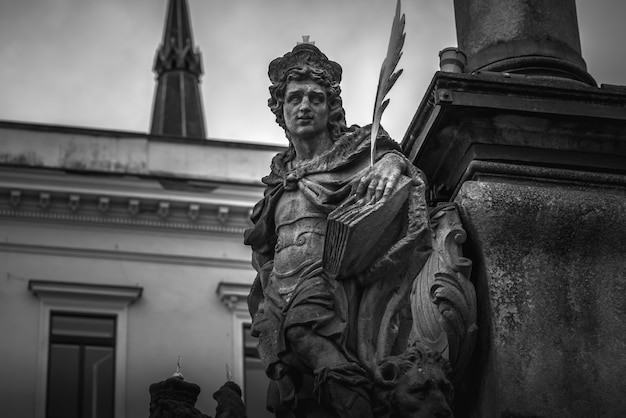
[(120, 252), (142, 230)]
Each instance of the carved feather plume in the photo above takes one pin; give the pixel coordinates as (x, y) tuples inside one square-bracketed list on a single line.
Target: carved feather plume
[(387, 75)]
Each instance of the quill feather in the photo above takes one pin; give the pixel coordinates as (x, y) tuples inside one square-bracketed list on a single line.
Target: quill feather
[(387, 76)]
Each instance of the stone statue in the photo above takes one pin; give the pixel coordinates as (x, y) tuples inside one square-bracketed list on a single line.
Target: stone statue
[(339, 345), (176, 398)]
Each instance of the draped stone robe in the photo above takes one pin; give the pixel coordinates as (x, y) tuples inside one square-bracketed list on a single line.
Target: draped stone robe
[(348, 310)]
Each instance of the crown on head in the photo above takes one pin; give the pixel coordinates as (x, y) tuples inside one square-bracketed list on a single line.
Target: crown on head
[(304, 54)]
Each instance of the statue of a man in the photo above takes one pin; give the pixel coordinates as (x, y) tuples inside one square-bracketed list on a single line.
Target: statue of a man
[(310, 325)]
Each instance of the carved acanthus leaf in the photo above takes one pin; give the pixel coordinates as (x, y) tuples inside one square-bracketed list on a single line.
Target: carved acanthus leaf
[(443, 300)]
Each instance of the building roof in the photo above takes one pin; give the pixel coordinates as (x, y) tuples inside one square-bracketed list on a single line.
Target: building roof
[(177, 108)]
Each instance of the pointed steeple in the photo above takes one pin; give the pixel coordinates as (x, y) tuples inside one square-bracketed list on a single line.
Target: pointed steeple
[(177, 108)]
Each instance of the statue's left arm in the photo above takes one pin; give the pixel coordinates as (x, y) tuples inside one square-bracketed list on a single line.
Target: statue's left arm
[(414, 244)]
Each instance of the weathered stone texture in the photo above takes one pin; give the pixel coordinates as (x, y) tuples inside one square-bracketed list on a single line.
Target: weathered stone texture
[(552, 270), (517, 35)]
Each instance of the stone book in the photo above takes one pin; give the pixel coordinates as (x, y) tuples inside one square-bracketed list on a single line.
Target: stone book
[(355, 232)]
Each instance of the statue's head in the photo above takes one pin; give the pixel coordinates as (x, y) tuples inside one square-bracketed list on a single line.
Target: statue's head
[(414, 384), (306, 62)]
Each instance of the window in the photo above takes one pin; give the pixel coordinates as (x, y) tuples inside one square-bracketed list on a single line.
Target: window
[(248, 372), (91, 319), (81, 372), (255, 380)]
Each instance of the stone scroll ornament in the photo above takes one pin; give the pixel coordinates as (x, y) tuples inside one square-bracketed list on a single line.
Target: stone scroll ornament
[(361, 308), (413, 368), (417, 333), (443, 300)]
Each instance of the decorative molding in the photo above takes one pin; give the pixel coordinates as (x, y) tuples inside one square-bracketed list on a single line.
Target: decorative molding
[(129, 256), (121, 221), (156, 212), (164, 210), (74, 202), (34, 184), (234, 295), (15, 198), (519, 120), (83, 298), (103, 204), (479, 170), (194, 211), (222, 214), (443, 298), (133, 207), (106, 293), (44, 200)]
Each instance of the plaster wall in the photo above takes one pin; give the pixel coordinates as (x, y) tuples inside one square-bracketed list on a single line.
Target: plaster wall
[(119, 242), (179, 312), (550, 272)]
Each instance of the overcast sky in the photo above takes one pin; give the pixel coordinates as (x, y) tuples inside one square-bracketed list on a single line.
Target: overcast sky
[(89, 62)]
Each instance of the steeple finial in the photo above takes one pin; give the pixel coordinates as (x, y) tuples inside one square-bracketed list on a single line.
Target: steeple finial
[(177, 108)]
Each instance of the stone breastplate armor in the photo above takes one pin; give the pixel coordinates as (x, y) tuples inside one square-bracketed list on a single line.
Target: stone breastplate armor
[(301, 228)]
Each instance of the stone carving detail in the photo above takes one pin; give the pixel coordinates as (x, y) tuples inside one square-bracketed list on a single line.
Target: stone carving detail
[(140, 211), (194, 211), (172, 55), (133, 206), (164, 210), (15, 198), (443, 299), (222, 214), (414, 384), (74, 202), (44, 200), (176, 398), (380, 334), (103, 204)]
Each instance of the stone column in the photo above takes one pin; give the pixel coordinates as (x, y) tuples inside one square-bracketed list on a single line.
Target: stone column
[(538, 37)]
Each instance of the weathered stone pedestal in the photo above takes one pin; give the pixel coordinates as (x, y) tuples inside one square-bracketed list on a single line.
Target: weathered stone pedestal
[(552, 294), (538, 169)]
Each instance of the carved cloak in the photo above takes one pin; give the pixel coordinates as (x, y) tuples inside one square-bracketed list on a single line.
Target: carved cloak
[(383, 289)]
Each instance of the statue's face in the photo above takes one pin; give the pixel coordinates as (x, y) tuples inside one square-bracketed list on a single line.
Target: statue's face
[(305, 109)]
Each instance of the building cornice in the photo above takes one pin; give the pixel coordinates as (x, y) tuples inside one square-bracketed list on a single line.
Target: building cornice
[(109, 293), (516, 120), (129, 203), (513, 93)]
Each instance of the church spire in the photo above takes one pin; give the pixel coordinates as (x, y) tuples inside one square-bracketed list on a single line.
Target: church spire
[(177, 108)]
